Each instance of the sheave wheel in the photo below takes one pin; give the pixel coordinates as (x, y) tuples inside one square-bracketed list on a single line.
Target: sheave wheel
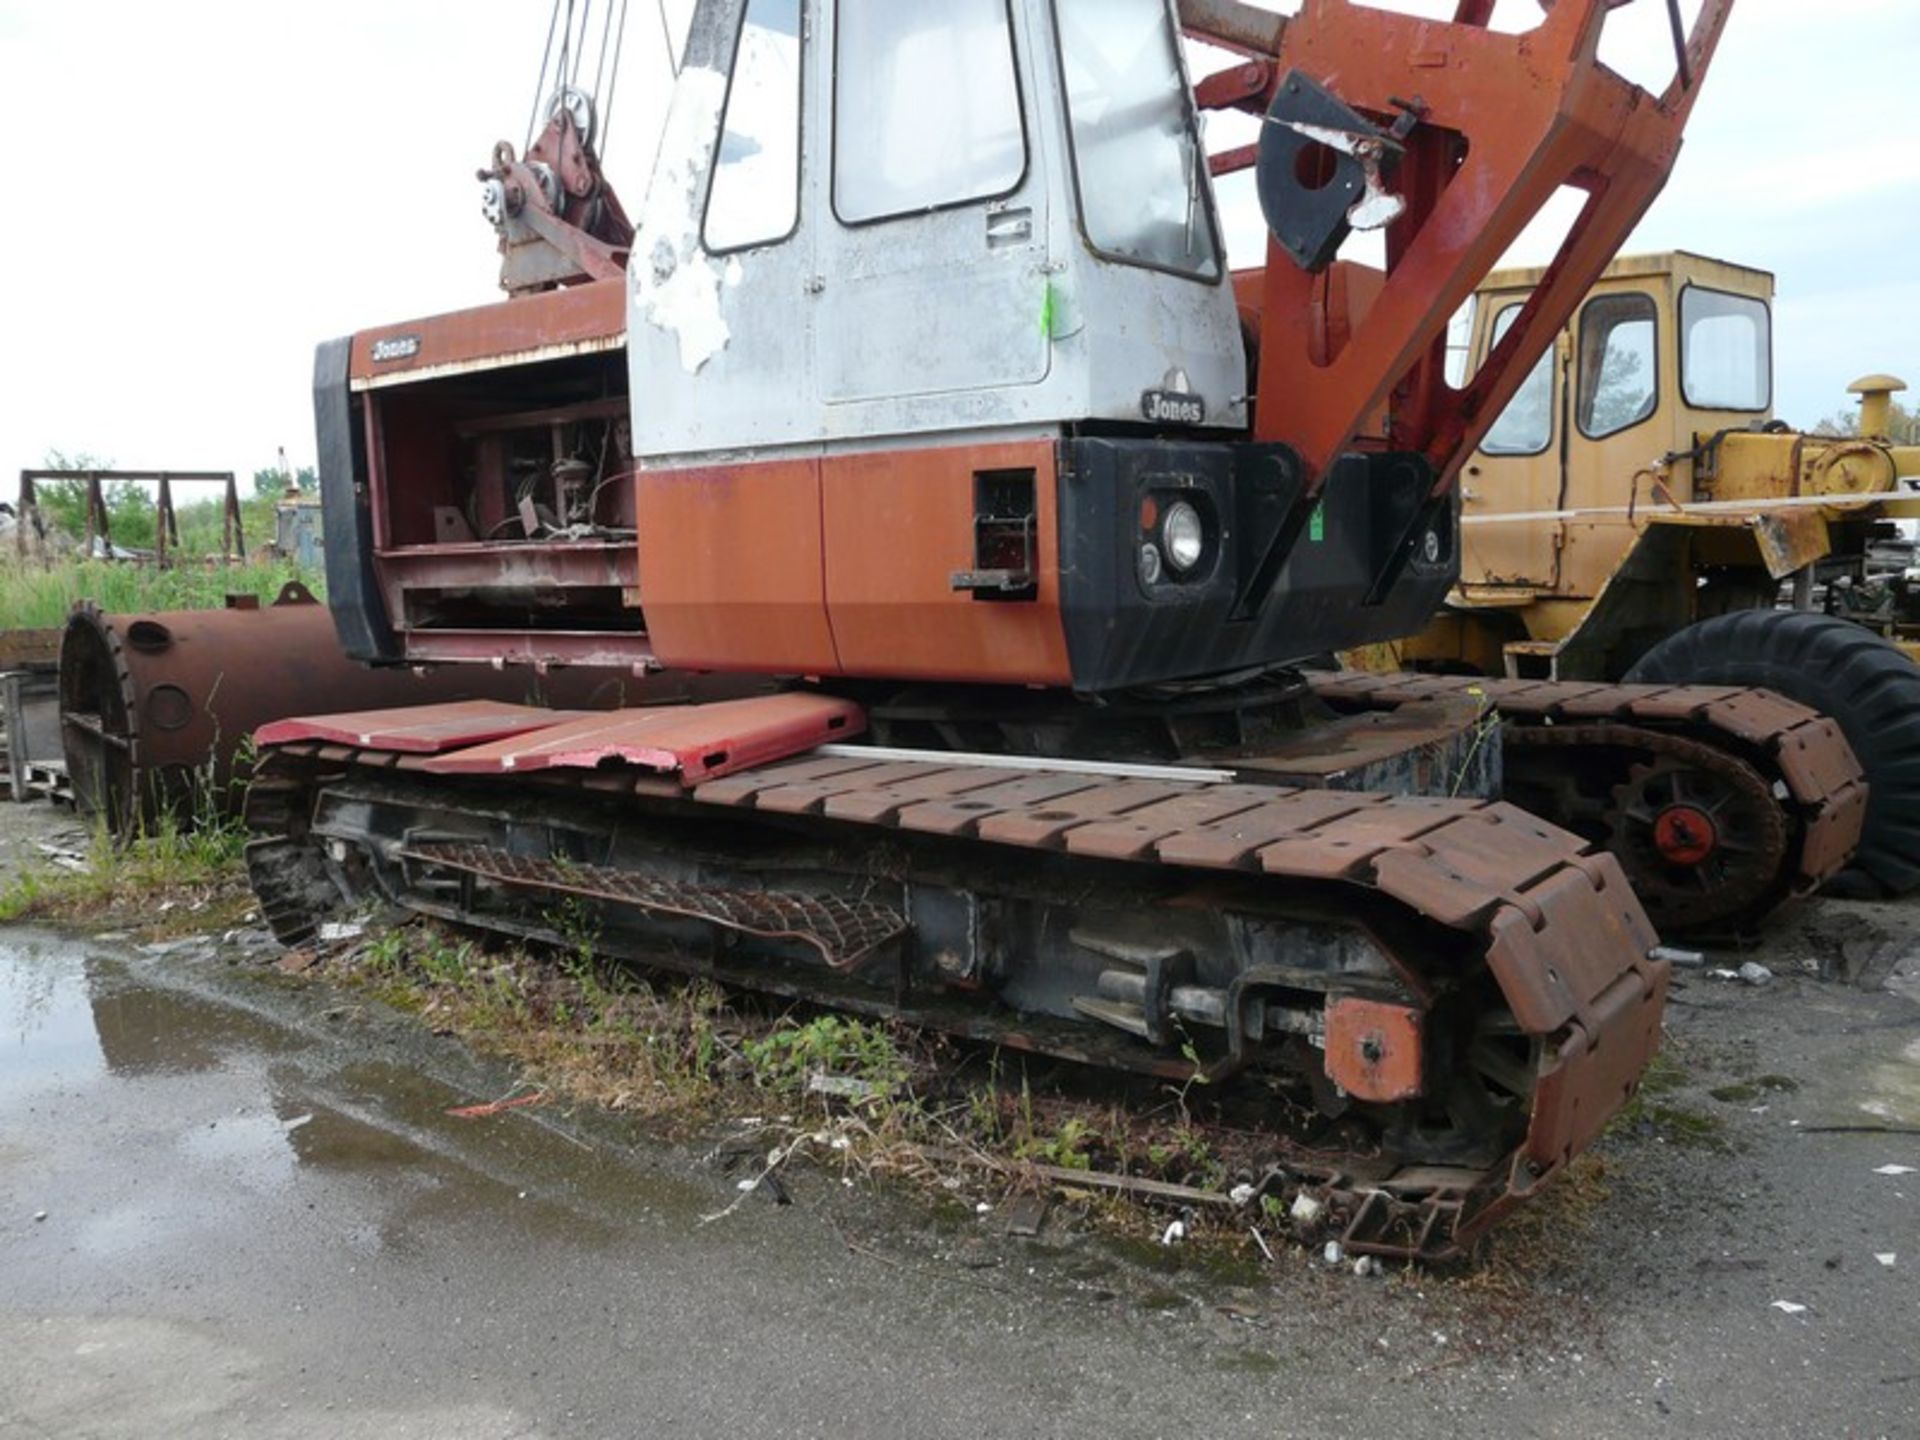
[(1866, 685)]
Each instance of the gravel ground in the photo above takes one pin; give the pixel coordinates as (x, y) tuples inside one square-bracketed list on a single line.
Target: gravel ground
[(260, 1220), (25, 828)]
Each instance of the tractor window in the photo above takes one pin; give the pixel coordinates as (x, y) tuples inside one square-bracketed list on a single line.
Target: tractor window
[(1618, 377), (1139, 167), (1459, 338), (755, 194), (1726, 350), (926, 107), (1525, 427)]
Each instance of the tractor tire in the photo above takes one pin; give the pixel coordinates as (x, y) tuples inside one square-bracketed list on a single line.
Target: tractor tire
[(1866, 685)]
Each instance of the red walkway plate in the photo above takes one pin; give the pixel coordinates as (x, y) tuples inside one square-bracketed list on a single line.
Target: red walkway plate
[(696, 742)]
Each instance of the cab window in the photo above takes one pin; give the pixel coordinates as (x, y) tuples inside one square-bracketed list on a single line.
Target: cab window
[(1726, 350), (1618, 380), (1525, 427), (1138, 166), (754, 197), (926, 107)]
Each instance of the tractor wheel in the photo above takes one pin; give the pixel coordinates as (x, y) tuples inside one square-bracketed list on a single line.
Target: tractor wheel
[(1866, 685)]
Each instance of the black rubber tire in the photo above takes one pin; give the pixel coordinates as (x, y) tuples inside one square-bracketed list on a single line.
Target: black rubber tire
[(1864, 683)]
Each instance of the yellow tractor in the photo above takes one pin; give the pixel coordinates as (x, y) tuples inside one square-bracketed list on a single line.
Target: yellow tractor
[(1638, 514)]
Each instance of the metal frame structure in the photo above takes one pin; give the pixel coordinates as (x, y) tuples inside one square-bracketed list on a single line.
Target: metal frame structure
[(233, 543)]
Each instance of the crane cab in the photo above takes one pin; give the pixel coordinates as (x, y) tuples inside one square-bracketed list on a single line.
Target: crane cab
[(874, 219), (941, 368)]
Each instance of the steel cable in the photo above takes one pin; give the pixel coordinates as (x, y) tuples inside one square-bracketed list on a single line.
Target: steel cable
[(613, 84), (600, 66), (540, 85), (666, 34), (566, 50), (580, 46)]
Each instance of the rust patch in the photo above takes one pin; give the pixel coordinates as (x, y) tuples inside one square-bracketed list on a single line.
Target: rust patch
[(1375, 1050)]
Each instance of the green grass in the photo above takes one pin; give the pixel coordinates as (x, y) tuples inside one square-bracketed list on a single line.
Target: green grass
[(121, 881), (34, 596), (688, 1056), (784, 1059), (1660, 1109)]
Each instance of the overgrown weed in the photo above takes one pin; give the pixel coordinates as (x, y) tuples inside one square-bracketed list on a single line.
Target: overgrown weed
[(39, 596)]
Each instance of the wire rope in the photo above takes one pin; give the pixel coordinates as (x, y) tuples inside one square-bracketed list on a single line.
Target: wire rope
[(540, 85)]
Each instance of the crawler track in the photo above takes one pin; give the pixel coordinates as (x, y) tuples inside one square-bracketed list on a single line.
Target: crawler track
[(1581, 756), (1285, 942)]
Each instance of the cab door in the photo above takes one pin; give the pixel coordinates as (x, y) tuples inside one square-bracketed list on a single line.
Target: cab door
[(1519, 471), (930, 270), (1616, 435)]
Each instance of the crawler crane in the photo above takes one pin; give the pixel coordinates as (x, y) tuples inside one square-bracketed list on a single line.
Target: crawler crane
[(919, 379)]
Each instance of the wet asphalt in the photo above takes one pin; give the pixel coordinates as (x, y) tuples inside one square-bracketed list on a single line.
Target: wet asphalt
[(260, 1220)]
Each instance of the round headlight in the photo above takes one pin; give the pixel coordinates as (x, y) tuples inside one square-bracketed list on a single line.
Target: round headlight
[(1183, 535)]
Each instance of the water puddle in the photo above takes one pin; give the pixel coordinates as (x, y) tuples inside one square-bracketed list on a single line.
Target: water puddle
[(48, 1040), (255, 1097), (1893, 1088)]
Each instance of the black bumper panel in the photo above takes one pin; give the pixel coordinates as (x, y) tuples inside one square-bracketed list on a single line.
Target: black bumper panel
[(353, 594), (1245, 603)]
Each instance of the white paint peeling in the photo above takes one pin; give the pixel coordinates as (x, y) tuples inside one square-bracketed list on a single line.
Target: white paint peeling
[(675, 285)]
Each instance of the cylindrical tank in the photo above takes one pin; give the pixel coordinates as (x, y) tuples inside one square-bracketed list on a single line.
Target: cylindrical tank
[(157, 711)]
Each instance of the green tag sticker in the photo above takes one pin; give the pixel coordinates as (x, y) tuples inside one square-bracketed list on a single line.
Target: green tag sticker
[(1046, 312), (1317, 523)]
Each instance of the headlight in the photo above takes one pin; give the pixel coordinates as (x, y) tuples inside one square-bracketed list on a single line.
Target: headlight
[(1183, 535)]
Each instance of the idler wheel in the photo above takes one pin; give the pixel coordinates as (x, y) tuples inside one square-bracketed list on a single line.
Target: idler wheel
[(1700, 834), (1867, 686)]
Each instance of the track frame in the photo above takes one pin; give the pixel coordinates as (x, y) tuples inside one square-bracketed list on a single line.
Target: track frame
[(1458, 994)]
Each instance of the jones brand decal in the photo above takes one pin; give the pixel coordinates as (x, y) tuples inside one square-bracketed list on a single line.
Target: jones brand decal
[(1172, 407), (396, 347)]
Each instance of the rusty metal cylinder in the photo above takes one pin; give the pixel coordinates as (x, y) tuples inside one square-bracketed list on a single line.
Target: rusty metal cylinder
[(157, 710)]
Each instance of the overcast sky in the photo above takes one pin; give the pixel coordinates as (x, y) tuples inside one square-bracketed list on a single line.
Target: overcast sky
[(204, 190)]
